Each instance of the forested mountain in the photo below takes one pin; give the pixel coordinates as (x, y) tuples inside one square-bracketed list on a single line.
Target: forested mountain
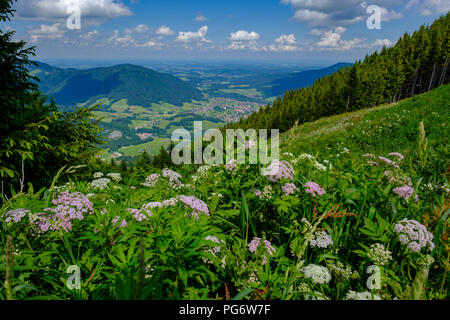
[(417, 63), (141, 86), (302, 79)]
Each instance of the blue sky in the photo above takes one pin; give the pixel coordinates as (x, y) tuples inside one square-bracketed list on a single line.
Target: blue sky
[(255, 30)]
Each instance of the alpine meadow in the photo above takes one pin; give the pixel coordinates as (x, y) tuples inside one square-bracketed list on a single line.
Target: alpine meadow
[(94, 207)]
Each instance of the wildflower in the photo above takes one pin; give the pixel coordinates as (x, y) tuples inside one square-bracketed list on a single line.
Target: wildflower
[(414, 235), (139, 215), (289, 188), (174, 177), (279, 170), (202, 173), (366, 295), (254, 245), (267, 192), (151, 205), (98, 175), (344, 272), (406, 192), (101, 183), (116, 177), (396, 154), (151, 180), (215, 240), (258, 193), (69, 207), (198, 206), (169, 203), (321, 240), (16, 215), (318, 274), (314, 189), (385, 160), (320, 166), (369, 155), (373, 163), (379, 254), (123, 224), (231, 165)]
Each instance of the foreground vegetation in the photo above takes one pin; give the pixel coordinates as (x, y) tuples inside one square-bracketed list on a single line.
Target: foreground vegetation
[(358, 211)]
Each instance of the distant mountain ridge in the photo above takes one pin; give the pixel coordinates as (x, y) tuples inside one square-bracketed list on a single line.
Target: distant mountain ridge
[(139, 85), (303, 79)]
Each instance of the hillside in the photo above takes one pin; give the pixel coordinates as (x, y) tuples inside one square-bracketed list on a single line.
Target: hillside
[(378, 130), (140, 86), (302, 79)]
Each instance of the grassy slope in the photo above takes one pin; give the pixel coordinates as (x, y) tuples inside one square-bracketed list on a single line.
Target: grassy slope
[(378, 130)]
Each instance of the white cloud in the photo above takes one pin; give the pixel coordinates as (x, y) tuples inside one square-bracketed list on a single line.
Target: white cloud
[(243, 45), (124, 41), (45, 10), (51, 32), (283, 43), (430, 7), (90, 35), (152, 44), (382, 42), (316, 32), (187, 37), (141, 28), (243, 35), (323, 13), (242, 40), (165, 31), (200, 18), (387, 15), (332, 41)]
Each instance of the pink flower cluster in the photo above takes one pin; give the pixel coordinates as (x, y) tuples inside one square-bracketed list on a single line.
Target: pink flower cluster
[(289, 188), (385, 160), (139, 214), (16, 215), (278, 170), (198, 206), (231, 165), (174, 178), (69, 207), (406, 192), (151, 180), (414, 235), (258, 193), (256, 242), (123, 224), (314, 189)]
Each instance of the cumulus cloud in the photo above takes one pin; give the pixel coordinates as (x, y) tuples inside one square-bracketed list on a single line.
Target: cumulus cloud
[(199, 36), (284, 43), (242, 39), (332, 41), (52, 32), (139, 29), (45, 10), (430, 7), (382, 42), (164, 31), (243, 35), (323, 13), (125, 41)]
